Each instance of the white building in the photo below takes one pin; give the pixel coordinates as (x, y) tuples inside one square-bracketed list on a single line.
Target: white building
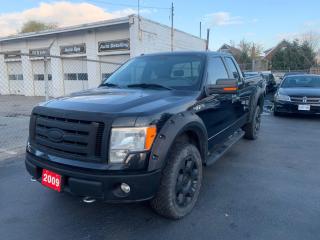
[(107, 41)]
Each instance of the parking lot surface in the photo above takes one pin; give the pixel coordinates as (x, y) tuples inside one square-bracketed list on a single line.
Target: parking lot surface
[(14, 123), (263, 189)]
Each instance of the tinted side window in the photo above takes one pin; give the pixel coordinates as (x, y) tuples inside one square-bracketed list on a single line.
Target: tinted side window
[(232, 67), (216, 70)]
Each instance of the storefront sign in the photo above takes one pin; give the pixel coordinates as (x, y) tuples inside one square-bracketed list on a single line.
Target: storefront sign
[(40, 52), (12, 55), (117, 45), (73, 49)]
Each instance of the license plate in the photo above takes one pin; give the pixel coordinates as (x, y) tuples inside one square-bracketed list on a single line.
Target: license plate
[(51, 180), (304, 107)]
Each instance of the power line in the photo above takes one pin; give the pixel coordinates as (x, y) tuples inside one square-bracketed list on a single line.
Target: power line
[(127, 5)]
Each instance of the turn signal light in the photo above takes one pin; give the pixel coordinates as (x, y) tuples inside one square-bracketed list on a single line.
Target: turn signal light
[(150, 136), (230, 89)]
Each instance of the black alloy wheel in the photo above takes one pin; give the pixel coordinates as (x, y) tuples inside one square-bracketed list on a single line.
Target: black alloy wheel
[(187, 181), (180, 183)]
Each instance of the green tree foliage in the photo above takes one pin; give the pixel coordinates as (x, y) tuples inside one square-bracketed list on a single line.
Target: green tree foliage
[(294, 56), (35, 26)]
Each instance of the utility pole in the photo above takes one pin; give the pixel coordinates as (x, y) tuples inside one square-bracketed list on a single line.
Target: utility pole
[(172, 9), (200, 30), (45, 71), (208, 39), (253, 56), (139, 26)]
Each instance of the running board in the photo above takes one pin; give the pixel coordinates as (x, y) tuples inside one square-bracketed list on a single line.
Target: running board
[(220, 150)]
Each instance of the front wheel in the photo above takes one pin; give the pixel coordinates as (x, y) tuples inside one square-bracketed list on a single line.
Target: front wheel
[(252, 128), (180, 183)]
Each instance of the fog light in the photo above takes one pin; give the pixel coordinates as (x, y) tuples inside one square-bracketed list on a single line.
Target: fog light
[(125, 187)]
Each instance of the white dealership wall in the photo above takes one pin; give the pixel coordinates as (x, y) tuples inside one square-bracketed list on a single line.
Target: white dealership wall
[(155, 37), (145, 36)]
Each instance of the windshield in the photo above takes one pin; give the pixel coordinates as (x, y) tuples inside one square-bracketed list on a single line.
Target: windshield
[(301, 81), (182, 72)]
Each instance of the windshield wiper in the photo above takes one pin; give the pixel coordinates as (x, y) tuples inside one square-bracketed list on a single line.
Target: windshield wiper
[(148, 85), (109, 85)]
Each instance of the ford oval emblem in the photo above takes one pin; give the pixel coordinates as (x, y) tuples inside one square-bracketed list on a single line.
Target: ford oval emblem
[(55, 135)]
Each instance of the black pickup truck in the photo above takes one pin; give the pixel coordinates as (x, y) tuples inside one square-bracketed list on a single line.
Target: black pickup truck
[(147, 131)]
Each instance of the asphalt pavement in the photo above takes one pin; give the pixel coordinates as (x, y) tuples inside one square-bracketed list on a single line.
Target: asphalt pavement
[(263, 189), (14, 123)]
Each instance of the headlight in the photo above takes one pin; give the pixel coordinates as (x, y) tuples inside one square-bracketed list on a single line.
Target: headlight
[(126, 140), (280, 97)]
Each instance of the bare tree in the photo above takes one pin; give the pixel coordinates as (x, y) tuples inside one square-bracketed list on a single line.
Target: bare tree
[(313, 39), (245, 47), (232, 43), (251, 49)]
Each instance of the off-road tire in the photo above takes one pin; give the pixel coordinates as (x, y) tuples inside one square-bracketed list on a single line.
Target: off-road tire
[(184, 167), (252, 128)]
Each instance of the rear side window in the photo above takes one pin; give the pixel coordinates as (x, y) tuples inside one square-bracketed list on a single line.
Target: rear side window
[(232, 67), (216, 70), (188, 69)]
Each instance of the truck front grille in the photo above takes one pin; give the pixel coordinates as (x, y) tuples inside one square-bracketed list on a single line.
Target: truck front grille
[(69, 138)]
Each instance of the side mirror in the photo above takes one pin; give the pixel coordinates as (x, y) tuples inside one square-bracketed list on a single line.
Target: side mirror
[(226, 86), (236, 75)]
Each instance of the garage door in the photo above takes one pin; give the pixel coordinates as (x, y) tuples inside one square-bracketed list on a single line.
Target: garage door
[(75, 74), (38, 77), (15, 78), (106, 68)]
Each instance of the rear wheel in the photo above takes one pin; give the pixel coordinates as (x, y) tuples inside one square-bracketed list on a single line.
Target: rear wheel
[(252, 128), (181, 182)]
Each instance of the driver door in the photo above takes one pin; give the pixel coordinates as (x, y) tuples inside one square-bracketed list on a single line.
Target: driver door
[(217, 109)]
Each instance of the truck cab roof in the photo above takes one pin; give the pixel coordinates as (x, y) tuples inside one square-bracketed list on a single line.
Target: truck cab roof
[(204, 53)]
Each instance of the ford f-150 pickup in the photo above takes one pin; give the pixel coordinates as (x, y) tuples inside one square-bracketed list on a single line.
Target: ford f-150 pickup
[(147, 131)]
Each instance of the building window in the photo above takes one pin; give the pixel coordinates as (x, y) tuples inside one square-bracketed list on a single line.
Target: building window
[(15, 77), (76, 76), (83, 76), (40, 77), (70, 76), (105, 76)]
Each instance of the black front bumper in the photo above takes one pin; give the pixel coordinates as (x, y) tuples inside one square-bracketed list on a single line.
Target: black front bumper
[(102, 185), (287, 107)]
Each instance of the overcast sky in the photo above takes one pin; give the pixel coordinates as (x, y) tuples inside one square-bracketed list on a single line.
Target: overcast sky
[(262, 21)]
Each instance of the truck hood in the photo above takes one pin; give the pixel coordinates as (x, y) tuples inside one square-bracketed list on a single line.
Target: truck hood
[(124, 101), (303, 92)]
